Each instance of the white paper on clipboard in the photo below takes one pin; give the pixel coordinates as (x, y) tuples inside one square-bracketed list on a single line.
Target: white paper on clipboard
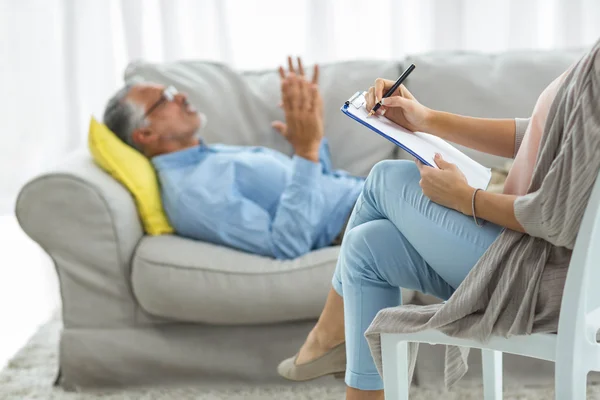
[(419, 144)]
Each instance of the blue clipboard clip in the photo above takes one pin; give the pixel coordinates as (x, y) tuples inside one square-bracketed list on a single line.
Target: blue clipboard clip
[(357, 101)]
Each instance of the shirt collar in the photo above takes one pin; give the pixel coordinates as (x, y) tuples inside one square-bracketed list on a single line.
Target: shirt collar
[(190, 155)]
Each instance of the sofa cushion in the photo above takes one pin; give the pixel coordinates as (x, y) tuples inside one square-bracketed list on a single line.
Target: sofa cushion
[(240, 106), (191, 281)]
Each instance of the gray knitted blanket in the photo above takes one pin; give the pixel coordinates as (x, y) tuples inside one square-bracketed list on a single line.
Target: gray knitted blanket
[(516, 287)]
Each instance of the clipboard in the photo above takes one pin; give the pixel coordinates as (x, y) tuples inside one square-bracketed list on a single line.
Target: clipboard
[(420, 145)]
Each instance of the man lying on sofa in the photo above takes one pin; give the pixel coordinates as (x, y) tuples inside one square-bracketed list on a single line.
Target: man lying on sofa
[(250, 198)]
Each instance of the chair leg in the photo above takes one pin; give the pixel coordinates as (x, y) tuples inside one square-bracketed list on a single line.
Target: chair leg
[(395, 368), (492, 374), (570, 382)]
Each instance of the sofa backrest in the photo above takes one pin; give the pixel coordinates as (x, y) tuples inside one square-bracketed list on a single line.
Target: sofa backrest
[(241, 105)]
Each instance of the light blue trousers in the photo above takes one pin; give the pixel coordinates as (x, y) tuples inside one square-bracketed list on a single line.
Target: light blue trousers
[(398, 238)]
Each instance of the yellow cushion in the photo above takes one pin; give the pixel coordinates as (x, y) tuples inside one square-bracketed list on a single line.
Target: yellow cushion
[(134, 171)]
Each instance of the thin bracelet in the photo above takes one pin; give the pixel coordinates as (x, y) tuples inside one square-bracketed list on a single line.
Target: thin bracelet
[(473, 208)]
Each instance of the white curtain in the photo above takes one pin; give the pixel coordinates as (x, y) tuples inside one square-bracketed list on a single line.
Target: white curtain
[(61, 59)]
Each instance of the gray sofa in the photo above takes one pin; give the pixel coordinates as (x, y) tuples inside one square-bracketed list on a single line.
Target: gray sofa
[(147, 310)]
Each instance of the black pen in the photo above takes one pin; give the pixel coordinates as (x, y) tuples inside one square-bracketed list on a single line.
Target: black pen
[(395, 86)]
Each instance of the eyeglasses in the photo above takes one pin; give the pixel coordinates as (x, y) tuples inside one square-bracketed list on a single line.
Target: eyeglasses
[(168, 94)]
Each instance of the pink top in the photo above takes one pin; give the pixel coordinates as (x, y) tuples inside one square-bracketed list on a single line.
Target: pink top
[(519, 176)]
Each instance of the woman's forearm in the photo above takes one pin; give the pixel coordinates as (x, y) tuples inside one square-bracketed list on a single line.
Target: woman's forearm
[(493, 207), (492, 136)]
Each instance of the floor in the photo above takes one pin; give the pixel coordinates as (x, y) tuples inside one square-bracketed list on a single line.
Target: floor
[(28, 288)]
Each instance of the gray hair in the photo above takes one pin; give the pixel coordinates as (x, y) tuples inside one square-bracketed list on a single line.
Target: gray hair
[(123, 116)]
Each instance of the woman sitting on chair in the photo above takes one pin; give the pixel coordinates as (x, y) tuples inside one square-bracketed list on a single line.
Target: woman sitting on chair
[(426, 229)]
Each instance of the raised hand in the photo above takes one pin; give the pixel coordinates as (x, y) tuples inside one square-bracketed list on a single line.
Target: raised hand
[(302, 105), (297, 72)]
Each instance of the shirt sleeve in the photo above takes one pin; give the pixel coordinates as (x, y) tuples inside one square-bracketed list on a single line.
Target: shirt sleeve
[(325, 156), (521, 125), (231, 219)]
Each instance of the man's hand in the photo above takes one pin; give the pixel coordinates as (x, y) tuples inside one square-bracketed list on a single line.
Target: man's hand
[(303, 108), (446, 186), (302, 104), (298, 71)]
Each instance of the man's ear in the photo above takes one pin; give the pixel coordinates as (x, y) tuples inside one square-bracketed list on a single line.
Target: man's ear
[(143, 136)]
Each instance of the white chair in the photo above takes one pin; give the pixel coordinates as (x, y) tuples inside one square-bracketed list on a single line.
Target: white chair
[(574, 349)]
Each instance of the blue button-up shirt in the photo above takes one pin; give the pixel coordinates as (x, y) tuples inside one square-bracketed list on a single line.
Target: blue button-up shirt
[(256, 199)]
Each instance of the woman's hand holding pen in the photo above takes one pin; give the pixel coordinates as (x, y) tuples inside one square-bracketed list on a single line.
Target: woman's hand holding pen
[(401, 107)]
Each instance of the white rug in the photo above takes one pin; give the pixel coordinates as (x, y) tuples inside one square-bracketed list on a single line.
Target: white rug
[(31, 373)]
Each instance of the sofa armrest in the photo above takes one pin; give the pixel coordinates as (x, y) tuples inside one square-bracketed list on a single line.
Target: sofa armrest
[(88, 223)]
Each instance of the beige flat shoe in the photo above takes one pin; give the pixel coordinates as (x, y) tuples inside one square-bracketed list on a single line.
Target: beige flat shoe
[(331, 363)]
